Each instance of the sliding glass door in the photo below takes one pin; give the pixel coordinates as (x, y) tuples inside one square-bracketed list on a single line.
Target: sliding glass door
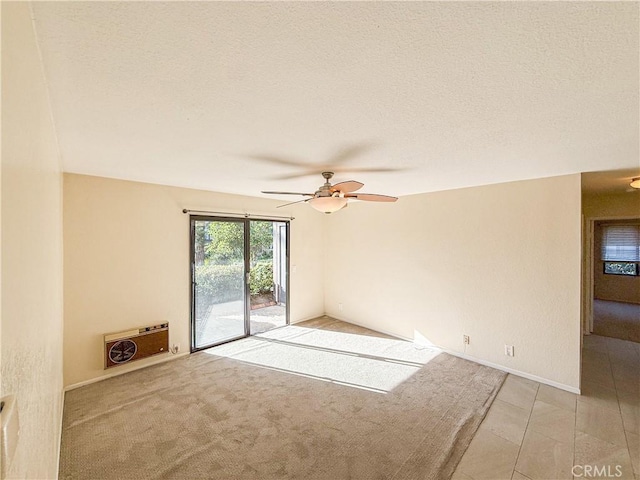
[(239, 277), (268, 276), (218, 272)]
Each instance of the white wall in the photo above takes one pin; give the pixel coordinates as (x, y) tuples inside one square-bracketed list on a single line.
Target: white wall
[(31, 250), (500, 263), (127, 262)]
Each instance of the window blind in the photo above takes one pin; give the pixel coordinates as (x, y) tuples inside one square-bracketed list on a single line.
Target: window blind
[(621, 243)]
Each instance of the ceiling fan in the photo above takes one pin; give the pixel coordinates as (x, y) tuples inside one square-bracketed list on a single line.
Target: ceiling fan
[(331, 198), (338, 162)]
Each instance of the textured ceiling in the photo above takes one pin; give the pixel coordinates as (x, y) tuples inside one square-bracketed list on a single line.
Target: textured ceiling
[(611, 181), (452, 94)]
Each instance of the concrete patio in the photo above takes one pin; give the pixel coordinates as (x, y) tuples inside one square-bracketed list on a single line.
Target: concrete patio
[(226, 322)]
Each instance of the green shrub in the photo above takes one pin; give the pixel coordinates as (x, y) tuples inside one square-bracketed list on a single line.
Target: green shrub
[(224, 283), (219, 283), (261, 278)]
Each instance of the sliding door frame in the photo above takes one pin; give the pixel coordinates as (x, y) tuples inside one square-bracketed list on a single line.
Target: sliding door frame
[(247, 270)]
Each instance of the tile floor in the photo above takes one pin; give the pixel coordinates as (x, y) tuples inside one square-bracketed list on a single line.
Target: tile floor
[(533, 431)]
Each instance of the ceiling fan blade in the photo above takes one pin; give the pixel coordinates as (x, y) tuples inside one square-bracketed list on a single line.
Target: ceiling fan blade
[(347, 187), (296, 175), (368, 170), (288, 193), (371, 197), (317, 170), (347, 153), (340, 170), (290, 162), (293, 203)]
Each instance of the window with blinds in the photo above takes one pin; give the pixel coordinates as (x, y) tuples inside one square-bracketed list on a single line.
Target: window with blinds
[(621, 249)]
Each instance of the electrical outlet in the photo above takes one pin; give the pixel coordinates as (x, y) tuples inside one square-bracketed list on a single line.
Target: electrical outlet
[(175, 348), (508, 350), (465, 339), (340, 306)]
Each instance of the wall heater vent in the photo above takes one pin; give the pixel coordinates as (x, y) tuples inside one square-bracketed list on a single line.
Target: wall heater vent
[(136, 344)]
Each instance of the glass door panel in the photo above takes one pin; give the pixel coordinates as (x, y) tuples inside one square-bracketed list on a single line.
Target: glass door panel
[(218, 270), (268, 275)]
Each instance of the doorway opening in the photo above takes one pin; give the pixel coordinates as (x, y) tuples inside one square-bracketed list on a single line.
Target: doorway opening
[(239, 278), (613, 280)]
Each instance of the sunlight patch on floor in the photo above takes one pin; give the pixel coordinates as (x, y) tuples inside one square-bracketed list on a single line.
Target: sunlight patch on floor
[(359, 361)]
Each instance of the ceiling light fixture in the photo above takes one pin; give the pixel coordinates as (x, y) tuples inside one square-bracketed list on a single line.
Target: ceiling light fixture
[(328, 204), (635, 183)]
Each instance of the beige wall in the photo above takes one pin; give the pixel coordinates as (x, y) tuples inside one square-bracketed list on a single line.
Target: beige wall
[(617, 288), (127, 262), (611, 206), (499, 263), (31, 250)]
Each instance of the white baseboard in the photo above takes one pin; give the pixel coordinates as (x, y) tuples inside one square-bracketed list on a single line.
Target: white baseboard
[(513, 371), (480, 361), (157, 361), (117, 373), (59, 446)]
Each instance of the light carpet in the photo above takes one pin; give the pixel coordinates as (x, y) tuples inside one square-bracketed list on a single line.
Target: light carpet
[(617, 320), (318, 400)]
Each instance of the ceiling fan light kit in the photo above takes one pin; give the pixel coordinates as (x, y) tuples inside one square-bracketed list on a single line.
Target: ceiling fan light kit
[(635, 183), (331, 198), (328, 204)]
